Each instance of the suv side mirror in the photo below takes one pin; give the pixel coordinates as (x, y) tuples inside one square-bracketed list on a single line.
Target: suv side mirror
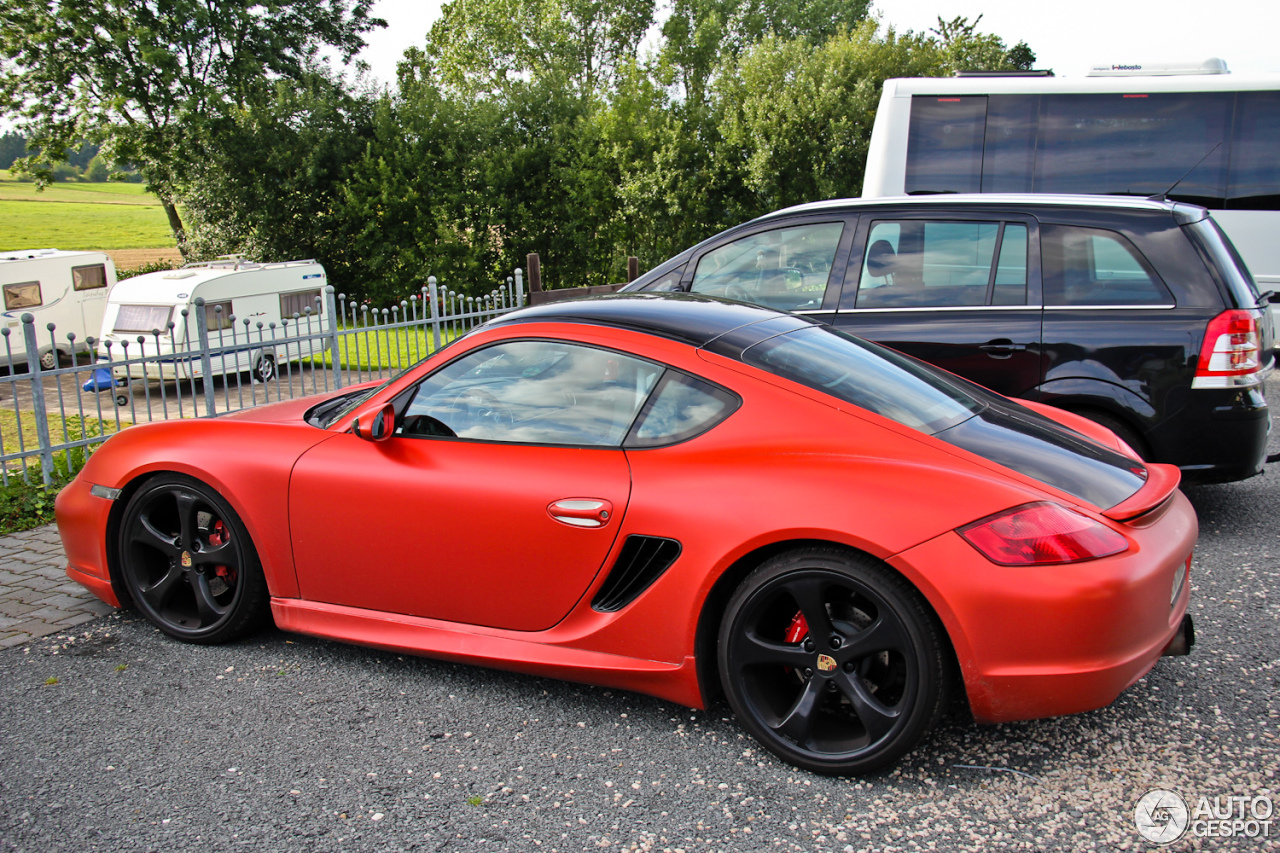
[(380, 424)]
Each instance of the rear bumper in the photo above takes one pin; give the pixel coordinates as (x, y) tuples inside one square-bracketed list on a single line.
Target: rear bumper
[(1219, 436), (1053, 640)]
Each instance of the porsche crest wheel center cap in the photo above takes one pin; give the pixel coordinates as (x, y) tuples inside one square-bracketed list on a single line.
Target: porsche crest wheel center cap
[(826, 663), (186, 559)]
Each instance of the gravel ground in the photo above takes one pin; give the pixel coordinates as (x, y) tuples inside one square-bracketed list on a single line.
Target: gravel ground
[(288, 743)]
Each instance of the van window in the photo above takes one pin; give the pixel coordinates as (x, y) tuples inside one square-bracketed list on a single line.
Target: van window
[(1093, 266), (923, 264), (25, 295), (142, 318), (786, 268), (89, 277), (1254, 182), (298, 302), (217, 315), (944, 144)]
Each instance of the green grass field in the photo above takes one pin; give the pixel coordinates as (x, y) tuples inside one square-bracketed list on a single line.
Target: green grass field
[(80, 216)]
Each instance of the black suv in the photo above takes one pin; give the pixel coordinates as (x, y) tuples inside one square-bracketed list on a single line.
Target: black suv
[(1136, 313)]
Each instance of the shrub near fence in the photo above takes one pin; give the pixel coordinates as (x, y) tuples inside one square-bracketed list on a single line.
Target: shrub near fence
[(61, 415)]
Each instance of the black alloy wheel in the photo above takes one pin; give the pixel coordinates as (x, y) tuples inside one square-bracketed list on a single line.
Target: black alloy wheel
[(832, 661), (188, 564)]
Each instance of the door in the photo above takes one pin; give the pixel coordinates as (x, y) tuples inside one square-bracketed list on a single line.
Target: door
[(495, 503), (960, 291)]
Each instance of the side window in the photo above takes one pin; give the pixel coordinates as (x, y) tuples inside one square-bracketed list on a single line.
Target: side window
[(1093, 266), (786, 268), (681, 408), (297, 303), (925, 264), (533, 392), (216, 319), (89, 278), (944, 144), (25, 295), (667, 283)]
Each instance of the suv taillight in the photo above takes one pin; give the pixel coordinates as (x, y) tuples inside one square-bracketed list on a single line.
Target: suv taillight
[(1041, 534), (1230, 356)]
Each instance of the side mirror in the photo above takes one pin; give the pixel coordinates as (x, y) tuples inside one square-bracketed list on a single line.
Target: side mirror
[(380, 425)]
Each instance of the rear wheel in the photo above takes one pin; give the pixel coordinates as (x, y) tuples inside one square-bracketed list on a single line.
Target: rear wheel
[(264, 369), (1123, 431), (49, 360), (188, 564), (832, 661)]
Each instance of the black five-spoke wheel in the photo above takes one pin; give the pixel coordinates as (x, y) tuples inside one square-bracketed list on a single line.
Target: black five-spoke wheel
[(832, 661), (187, 562)]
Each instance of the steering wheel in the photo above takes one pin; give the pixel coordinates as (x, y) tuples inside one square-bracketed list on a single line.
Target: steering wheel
[(737, 291), (477, 407)]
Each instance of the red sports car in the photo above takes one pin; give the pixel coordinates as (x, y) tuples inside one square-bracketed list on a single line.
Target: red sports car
[(674, 495)]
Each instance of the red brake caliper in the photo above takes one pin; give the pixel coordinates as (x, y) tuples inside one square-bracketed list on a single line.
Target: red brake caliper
[(796, 631), (219, 536)]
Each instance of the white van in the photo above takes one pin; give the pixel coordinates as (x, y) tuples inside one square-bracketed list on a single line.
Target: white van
[(68, 289), (288, 295), (1189, 131)]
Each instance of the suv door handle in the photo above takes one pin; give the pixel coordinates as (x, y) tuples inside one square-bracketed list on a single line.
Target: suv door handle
[(581, 512), (1001, 348)]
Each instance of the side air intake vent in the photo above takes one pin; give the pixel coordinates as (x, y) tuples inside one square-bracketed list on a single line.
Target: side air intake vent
[(642, 560)]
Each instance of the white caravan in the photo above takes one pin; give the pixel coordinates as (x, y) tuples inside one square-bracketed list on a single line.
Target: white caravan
[(254, 314), (1190, 131), (68, 289)]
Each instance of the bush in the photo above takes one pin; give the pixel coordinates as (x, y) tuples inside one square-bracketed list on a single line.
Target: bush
[(154, 266)]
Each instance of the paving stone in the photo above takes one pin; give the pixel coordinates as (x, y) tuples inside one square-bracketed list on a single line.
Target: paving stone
[(36, 597)]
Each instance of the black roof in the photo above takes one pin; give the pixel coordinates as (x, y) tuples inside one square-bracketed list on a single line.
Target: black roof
[(689, 317)]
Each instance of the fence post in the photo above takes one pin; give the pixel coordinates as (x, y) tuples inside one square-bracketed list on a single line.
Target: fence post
[(633, 268), (435, 312), (37, 398), (331, 305), (206, 363), (534, 266), (519, 288)]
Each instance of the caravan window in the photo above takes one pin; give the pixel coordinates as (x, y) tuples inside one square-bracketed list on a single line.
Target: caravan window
[(296, 303), (89, 278), (218, 315), (143, 318), (25, 295)]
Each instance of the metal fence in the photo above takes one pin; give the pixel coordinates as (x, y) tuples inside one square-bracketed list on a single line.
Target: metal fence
[(58, 416)]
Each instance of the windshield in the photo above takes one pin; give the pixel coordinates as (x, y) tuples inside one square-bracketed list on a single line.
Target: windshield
[(867, 375)]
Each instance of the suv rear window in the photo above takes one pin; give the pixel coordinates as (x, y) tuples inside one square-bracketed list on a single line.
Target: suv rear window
[(866, 375), (1093, 266)]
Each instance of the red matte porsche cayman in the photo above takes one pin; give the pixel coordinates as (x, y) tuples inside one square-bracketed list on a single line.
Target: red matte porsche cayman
[(674, 495)]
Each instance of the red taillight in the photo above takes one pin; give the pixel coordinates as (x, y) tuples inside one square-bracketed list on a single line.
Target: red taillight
[(1041, 534), (1229, 357)]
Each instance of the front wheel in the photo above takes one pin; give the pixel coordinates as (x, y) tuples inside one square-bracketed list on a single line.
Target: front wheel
[(49, 360), (832, 661), (188, 564)]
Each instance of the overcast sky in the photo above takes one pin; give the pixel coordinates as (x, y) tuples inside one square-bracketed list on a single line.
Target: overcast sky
[(1077, 34)]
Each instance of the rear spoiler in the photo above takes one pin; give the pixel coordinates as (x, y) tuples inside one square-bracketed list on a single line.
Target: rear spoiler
[(1162, 482)]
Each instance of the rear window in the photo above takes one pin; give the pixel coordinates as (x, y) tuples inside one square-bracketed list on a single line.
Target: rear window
[(1230, 265), (866, 375)]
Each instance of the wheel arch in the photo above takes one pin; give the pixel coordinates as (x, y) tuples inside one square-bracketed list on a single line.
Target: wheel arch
[(715, 603)]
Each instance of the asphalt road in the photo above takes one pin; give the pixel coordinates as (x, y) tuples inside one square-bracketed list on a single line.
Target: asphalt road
[(287, 743)]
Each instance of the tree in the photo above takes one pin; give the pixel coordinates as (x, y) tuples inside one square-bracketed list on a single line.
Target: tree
[(485, 46), (966, 49), (154, 81)]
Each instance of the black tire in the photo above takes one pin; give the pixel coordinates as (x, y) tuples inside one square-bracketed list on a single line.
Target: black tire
[(851, 701), (264, 369), (188, 564), (49, 360), (1123, 431), (122, 399)]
